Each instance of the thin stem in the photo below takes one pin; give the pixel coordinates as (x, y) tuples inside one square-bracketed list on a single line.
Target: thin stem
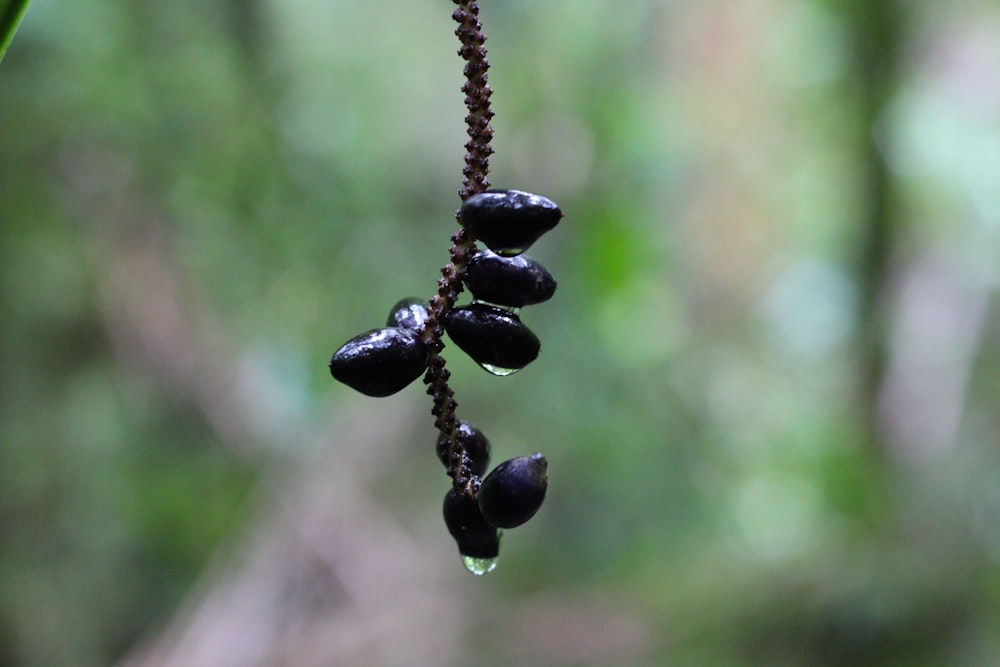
[(877, 30), (478, 149)]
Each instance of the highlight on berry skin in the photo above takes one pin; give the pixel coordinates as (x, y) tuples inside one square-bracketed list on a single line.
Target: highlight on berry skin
[(380, 362), (509, 221), (409, 313)]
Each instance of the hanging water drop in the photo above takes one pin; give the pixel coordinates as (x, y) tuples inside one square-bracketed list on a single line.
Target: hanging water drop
[(499, 370), (513, 310), (480, 566)]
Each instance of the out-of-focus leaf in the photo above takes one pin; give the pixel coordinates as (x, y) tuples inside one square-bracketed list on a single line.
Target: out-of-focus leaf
[(10, 18)]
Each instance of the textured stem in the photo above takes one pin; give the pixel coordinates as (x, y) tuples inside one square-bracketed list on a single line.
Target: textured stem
[(478, 150), (477, 98)]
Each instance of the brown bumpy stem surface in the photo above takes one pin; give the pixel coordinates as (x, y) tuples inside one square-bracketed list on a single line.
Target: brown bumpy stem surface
[(478, 150)]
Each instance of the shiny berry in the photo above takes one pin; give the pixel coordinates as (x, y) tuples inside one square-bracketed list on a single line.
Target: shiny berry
[(508, 221), (475, 537), (408, 313), (380, 362), (492, 336), (476, 446), (514, 490), (508, 281)]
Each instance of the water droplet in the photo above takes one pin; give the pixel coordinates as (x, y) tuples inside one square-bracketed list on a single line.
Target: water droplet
[(511, 252), (513, 310), (498, 370), (479, 566)]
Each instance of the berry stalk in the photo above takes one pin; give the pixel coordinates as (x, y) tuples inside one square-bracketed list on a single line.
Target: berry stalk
[(478, 149)]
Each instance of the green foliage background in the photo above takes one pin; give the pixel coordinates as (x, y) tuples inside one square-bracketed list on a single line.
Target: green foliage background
[(768, 380)]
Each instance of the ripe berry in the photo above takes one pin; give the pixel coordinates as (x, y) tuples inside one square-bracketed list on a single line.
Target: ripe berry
[(514, 490), (492, 336), (475, 537), (476, 446), (509, 221), (380, 362), (408, 313), (508, 281)]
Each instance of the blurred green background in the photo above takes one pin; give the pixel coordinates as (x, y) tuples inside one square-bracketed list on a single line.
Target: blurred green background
[(768, 383)]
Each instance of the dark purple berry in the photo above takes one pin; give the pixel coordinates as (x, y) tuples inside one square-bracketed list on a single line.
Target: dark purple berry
[(475, 537), (380, 362), (409, 313), (514, 490), (508, 281), (476, 446), (509, 221), (492, 336)]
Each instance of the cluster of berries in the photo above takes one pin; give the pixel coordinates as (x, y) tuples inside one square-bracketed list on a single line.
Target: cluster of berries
[(501, 280)]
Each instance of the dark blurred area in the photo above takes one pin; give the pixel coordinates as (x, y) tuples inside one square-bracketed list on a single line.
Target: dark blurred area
[(768, 382)]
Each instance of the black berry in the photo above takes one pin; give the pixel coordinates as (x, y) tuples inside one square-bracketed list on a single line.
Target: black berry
[(474, 536), (508, 281), (476, 446), (408, 313), (514, 490), (509, 221), (380, 362), (492, 336)]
